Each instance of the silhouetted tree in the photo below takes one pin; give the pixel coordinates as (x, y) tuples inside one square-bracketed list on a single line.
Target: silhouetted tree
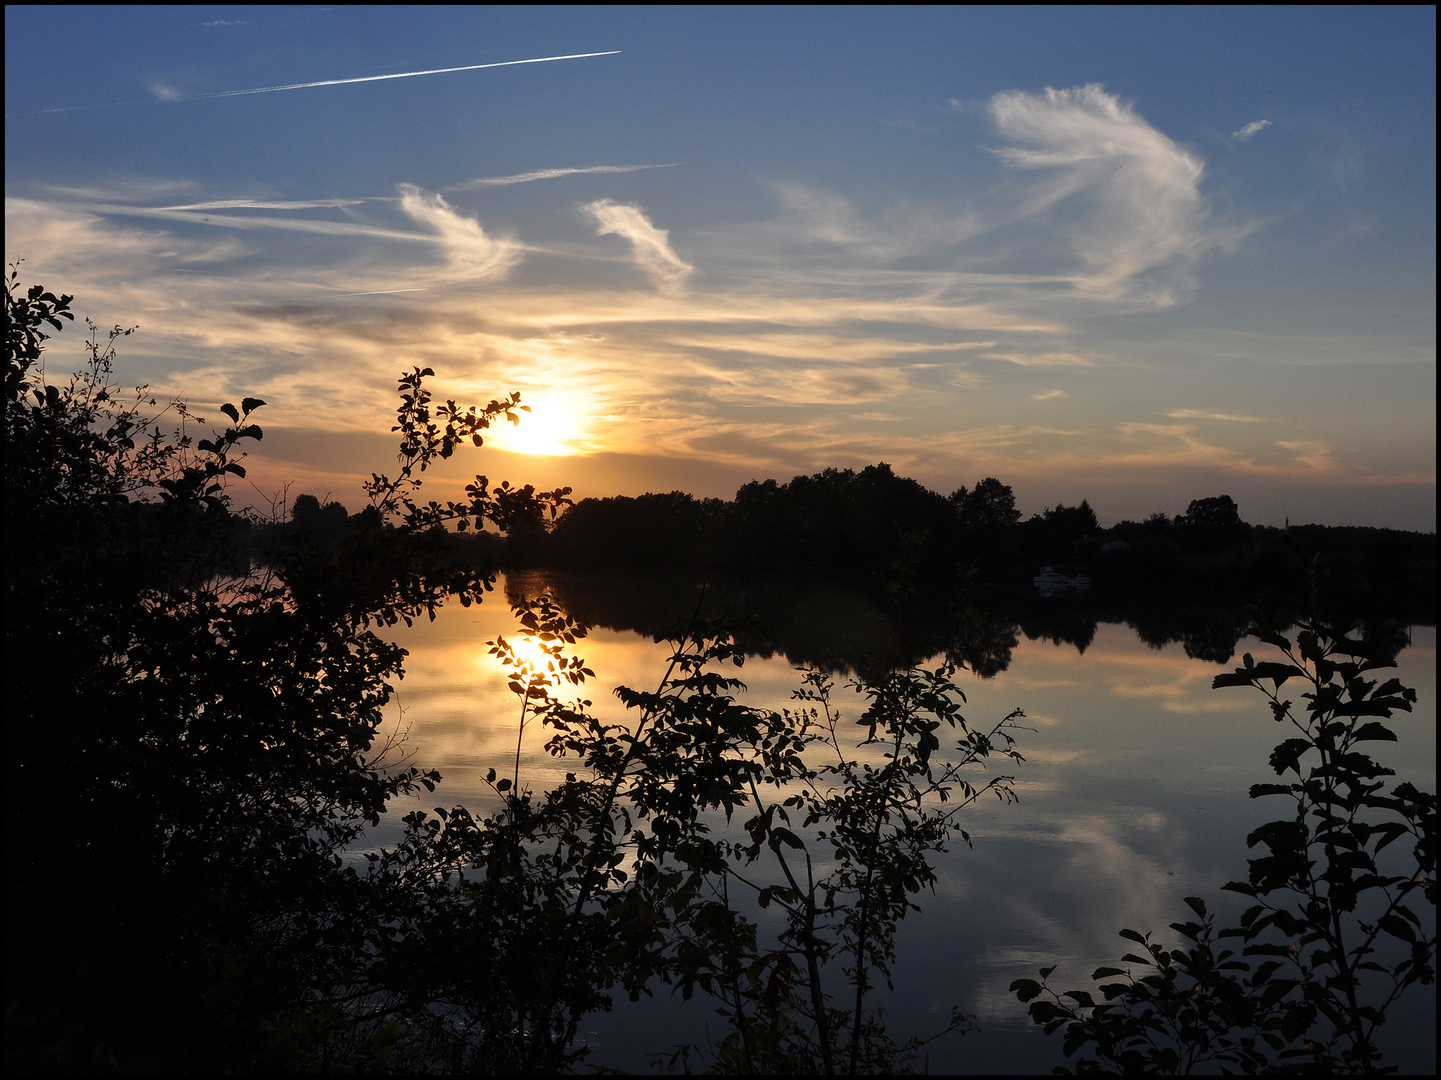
[(651, 530), (304, 510), (1217, 512), (1050, 535), (200, 729), (991, 506)]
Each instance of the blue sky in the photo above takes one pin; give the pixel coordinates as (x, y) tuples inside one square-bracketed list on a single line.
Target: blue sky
[(1136, 256)]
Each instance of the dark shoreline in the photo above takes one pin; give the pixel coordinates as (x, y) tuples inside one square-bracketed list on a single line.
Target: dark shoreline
[(844, 626)]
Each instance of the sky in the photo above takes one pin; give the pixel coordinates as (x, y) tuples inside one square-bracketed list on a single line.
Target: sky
[(1136, 256)]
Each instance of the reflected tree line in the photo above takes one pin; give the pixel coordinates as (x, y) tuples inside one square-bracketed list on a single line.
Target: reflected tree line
[(195, 701), (914, 553), (876, 532), (845, 631), (843, 567)]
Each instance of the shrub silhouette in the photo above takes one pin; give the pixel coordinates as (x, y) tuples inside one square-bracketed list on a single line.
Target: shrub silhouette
[(195, 702), (1333, 937)]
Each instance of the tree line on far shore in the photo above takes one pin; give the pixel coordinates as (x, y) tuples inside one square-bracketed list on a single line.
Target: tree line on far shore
[(868, 526)]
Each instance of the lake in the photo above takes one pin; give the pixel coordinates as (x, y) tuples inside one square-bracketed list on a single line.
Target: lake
[(1133, 795)]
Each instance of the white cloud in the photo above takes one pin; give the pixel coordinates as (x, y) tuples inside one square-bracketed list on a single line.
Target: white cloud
[(1310, 454), (550, 174), (1254, 128), (242, 221), (814, 215), (1042, 359), (867, 348), (651, 246), (79, 243), (262, 204), (1134, 213), (766, 360), (471, 253), (824, 215), (1201, 414)]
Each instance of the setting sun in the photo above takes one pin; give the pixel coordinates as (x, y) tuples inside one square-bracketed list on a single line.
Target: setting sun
[(551, 429)]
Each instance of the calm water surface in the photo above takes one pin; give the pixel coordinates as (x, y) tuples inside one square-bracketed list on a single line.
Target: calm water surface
[(1133, 795)]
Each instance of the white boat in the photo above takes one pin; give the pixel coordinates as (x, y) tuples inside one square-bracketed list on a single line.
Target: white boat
[(1051, 581)]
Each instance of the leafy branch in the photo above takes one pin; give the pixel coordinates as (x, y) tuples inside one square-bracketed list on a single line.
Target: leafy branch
[(1333, 937)]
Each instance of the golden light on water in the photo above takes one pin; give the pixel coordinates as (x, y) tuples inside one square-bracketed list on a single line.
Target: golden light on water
[(531, 663), (528, 650)]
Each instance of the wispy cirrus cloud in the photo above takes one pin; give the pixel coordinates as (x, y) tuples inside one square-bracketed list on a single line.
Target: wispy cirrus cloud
[(265, 204), (815, 216), (550, 174), (1039, 359), (1135, 217), (1312, 455), (1109, 213), (117, 261), (212, 219), (470, 252), (650, 245), (834, 348), (1251, 130), (1202, 414), (824, 334)]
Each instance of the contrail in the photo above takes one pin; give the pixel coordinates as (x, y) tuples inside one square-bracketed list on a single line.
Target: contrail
[(333, 82), (400, 75), (551, 174), (377, 292)]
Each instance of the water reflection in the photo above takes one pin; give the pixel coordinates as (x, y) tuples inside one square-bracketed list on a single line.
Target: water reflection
[(1134, 793), (842, 628)]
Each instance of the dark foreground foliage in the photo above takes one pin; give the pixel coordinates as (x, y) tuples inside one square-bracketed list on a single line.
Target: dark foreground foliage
[(194, 734), (1337, 929), (194, 706)]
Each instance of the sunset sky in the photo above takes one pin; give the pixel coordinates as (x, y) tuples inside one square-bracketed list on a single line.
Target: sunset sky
[(1136, 256)]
